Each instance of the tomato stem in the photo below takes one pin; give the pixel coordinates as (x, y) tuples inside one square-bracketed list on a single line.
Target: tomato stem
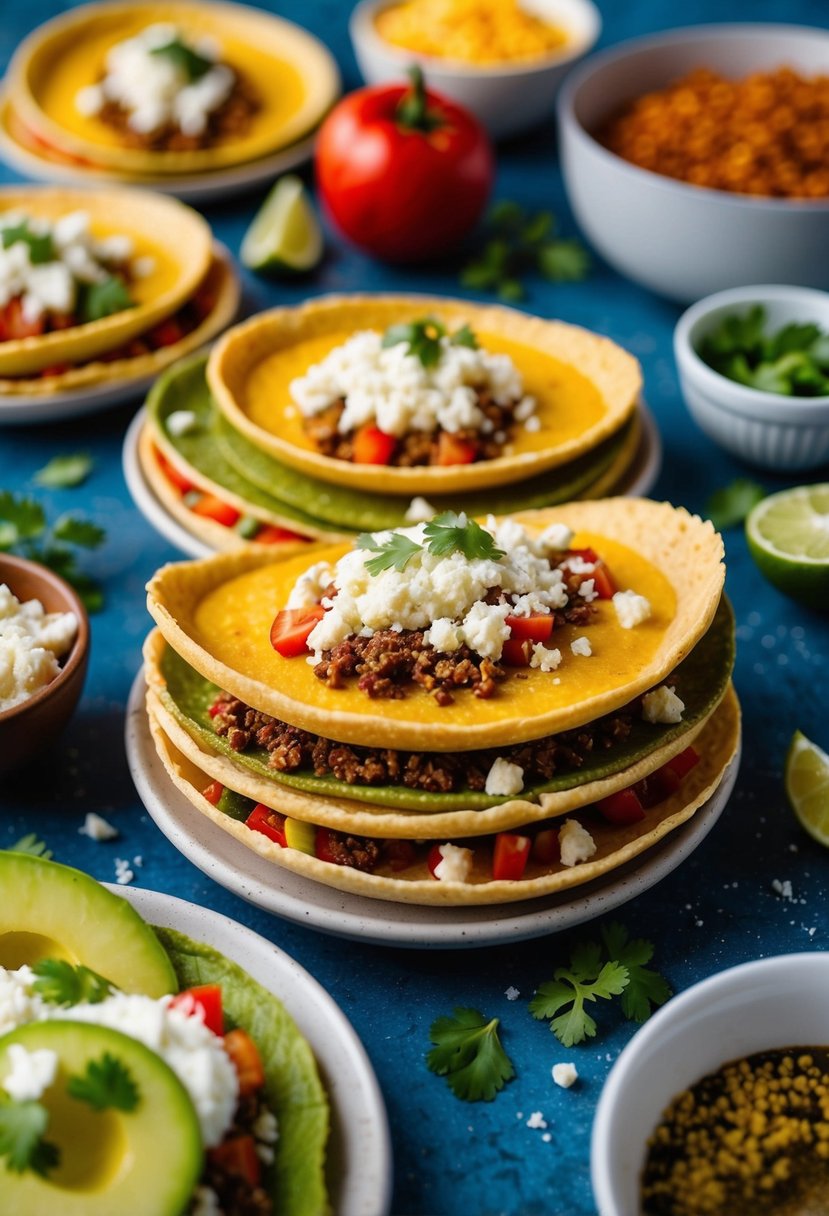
[(413, 112)]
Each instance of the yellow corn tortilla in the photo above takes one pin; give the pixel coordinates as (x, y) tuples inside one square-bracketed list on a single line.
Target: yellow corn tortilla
[(217, 613), (718, 744), (177, 238), (585, 386), (294, 75), (221, 276)]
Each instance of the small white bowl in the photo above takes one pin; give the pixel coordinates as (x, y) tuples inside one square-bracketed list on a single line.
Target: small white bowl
[(680, 240), (507, 98), (741, 1011), (766, 429)]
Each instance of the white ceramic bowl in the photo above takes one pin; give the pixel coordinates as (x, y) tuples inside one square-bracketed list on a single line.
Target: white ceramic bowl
[(766, 429), (680, 240), (746, 1009), (506, 98)]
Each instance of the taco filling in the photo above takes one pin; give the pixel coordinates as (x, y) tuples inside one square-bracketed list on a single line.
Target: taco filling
[(164, 92), (414, 395), (56, 275)]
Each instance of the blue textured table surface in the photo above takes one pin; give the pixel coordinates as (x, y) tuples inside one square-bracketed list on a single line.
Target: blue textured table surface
[(718, 909)]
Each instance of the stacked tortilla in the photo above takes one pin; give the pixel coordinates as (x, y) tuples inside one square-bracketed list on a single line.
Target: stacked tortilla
[(246, 448), (181, 292), (587, 709)]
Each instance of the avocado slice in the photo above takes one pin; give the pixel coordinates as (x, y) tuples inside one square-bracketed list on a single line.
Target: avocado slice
[(52, 911), (147, 1160)]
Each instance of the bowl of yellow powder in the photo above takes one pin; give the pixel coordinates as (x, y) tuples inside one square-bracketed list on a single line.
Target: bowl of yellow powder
[(503, 60)]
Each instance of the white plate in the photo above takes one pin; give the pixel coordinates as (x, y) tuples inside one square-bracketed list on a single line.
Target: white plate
[(269, 886), (639, 480), (358, 1166)]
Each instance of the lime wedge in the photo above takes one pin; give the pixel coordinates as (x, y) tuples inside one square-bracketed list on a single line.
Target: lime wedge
[(788, 535), (807, 786), (285, 235)]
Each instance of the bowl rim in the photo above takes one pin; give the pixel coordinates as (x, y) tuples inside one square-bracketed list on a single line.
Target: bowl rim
[(80, 647), (579, 77), (633, 1056), (361, 28), (741, 398)]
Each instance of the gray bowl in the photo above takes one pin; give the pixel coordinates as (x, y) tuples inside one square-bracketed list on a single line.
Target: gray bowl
[(679, 240)]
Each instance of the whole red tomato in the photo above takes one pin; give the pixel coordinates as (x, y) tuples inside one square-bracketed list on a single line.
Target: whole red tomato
[(403, 172)]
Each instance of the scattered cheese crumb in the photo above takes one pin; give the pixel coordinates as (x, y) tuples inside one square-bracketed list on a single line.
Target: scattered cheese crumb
[(546, 1137), (587, 590), (565, 1075), (98, 828), (545, 659), (533, 423), (662, 705), (783, 889), (581, 646), (536, 1120), (631, 609), (123, 874), (419, 511), (512, 994), (456, 863), (181, 422), (575, 842), (504, 779)]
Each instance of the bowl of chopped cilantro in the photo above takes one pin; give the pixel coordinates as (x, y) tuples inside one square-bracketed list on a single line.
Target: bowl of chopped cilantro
[(717, 1105), (754, 371)]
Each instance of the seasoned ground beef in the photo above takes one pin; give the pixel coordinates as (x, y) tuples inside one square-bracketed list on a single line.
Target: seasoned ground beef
[(230, 121), (416, 447), (236, 1195), (293, 750)]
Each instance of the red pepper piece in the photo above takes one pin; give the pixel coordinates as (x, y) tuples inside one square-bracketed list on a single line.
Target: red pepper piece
[(213, 792), (238, 1156), (373, 446), (621, 808), (537, 627), (291, 629), (204, 1002), (509, 860), (246, 1060), (270, 823)]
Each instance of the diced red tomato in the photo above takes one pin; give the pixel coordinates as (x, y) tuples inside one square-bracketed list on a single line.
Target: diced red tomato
[(203, 1002), (684, 762), (213, 792), (586, 555), (537, 627), (545, 846), (15, 325), (167, 333), (509, 860), (373, 446), (452, 450), (516, 653), (603, 581), (621, 808), (172, 474), (238, 1156), (270, 534), (323, 846), (246, 1060), (211, 507), (55, 369), (400, 854), (270, 823), (657, 786), (434, 859), (291, 629)]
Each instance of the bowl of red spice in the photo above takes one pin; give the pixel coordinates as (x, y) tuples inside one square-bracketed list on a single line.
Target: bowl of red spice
[(698, 159), (719, 1105)]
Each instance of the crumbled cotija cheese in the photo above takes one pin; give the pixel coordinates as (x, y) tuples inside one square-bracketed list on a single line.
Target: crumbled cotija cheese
[(391, 388), (155, 90), (544, 658), (631, 609), (456, 864), (30, 1072), (565, 1075), (581, 646), (504, 779), (31, 643), (419, 511), (575, 842), (98, 828), (662, 705), (442, 595)]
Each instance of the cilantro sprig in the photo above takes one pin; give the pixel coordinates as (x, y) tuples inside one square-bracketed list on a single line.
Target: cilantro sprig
[(41, 246), (106, 1084), (792, 362), (190, 63), (31, 846), (600, 971), (22, 1137), (65, 472), (447, 533), (731, 504), (99, 300), (519, 244), (468, 1052), (60, 983), (24, 531), (423, 338)]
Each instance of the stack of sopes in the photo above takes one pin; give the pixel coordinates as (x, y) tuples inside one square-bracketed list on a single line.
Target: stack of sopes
[(102, 289), (354, 413), (453, 713), (142, 1072), (192, 99)]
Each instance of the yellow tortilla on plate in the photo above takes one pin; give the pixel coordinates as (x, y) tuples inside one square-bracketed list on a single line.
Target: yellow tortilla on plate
[(221, 280), (217, 614), (718, 745), (294, 76), (177, 239), (585, 386)]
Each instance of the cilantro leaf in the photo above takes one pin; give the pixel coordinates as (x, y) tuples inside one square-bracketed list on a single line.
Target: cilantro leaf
[(41, 246), (422, 338), (448, 533), (23, 528), (468, 1052), (464, 337), (792, 338), (574, 987), (77, 531), (60, 983), (730, 505), (20, 519), (790, 362), (646, 987), (518, 245), (102, 299), (22, 1128), (31, 846), (65, 472), (564, 261), (393, 554), (107, 1084), (189, 62)]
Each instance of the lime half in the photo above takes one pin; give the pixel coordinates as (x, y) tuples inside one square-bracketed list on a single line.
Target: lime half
[(788, 535), (807, 786), (285, 235)]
